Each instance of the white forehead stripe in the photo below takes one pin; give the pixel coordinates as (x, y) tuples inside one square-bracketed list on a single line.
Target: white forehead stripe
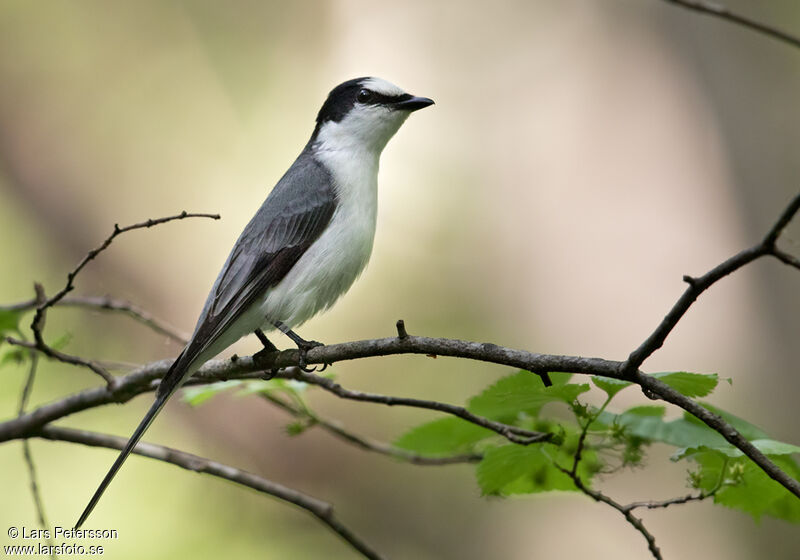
[(382, 86)]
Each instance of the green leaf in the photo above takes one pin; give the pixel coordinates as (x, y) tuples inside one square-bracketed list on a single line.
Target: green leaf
[(773, 447), (266, 386), (15, 355), (748, 430), (195, 396), (524, 392), (766, 446), (630, 416), (9, 321), (444, 436), (746, 487), (296, 428), (514, 469), (648, 423), (689, 384), (609, 385), (656, 410)]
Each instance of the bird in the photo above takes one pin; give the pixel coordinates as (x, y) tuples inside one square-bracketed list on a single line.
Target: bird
[(304, 247)]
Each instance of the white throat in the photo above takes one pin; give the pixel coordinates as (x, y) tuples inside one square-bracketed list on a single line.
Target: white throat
[(365, 128), (353, 165), (350, 149)]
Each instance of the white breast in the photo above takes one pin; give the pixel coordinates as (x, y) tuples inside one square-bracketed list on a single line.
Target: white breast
[(331, 265)]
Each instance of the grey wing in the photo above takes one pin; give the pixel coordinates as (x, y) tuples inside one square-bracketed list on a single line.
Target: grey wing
[(294, 215)]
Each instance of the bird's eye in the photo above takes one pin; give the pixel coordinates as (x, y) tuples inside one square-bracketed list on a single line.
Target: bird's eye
[(364, 95)]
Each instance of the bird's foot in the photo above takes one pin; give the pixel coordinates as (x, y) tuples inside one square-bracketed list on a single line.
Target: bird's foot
[(303, 346), (259, 357)]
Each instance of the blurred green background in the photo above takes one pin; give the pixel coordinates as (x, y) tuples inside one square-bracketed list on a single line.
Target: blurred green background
[(582, 157)]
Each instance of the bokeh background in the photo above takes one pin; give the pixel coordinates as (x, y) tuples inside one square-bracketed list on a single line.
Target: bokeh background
[(582, 157)]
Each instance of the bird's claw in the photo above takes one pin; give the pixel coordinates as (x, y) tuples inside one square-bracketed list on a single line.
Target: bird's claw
[(303, 348)]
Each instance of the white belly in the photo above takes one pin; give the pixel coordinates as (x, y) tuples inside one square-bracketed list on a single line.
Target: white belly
[(324, 272)]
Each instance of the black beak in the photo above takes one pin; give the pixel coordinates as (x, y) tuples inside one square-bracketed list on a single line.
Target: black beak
[(413, 103)]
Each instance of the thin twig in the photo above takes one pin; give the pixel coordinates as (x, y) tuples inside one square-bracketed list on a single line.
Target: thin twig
[(319, 509), (786, 258), (720, 11), (368, 444), (401, 329), (51, 352), (599, 496), (106, 303), (91, 255), (626, 510), (25, 395), (136, 313), (36, 495), (629, 517), (512, 433), (37, 324), (666, 503), (28, 456), (703, 495), (585, 432), (698, 285)]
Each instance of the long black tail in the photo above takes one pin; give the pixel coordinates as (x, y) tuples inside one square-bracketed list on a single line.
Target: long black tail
[(169, 384), (137, 435)]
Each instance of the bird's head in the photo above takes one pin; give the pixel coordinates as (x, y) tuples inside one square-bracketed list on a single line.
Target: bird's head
[(363, 114)]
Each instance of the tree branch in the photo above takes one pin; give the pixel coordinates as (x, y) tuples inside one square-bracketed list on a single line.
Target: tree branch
[(512, 433), (598, 496), (666, 503), (683, 499), (788, 259), (106, 303), (142, 380), (57, 355), (698, 285), (319, 509), (720, 11), (336, 429), (28, 456), (25, 395), (145, 379), (91, 255)]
